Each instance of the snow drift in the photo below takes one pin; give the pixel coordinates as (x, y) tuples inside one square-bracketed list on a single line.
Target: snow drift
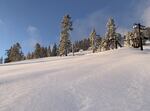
[(116, 80)]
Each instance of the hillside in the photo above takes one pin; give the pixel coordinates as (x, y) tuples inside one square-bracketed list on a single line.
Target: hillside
[(116, 80)]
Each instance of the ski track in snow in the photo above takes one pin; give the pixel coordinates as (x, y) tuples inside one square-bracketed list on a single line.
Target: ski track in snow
[(108, 81)]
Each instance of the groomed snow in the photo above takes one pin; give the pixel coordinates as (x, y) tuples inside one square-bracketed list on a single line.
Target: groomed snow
[(116, 80)]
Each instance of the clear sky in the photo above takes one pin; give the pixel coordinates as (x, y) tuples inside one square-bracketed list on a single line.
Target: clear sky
[(31, 21)]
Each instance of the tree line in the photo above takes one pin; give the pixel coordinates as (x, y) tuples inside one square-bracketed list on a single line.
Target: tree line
[(64, 47), (94, 42), (15, 52)]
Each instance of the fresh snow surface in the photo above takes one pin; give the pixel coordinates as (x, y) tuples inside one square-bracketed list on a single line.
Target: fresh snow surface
[(116, 80)]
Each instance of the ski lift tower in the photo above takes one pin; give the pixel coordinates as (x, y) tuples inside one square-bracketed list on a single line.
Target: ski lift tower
[(139, 27)]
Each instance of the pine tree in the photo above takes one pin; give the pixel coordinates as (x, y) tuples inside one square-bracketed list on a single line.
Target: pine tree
[(111, 33), (132, 39), (93, 40), (49, 52), (1, 60), (29, 56), (54, 50), (19, 54), (7, 59), (65, 42), (83, 44), (98, 42), (37, 52), (43, 52), (14, 53), (110, 40)]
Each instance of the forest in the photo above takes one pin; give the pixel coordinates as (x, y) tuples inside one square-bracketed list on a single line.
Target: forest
[(136, 38)]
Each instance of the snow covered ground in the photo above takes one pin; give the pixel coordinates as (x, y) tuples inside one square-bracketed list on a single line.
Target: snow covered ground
[(116, 80)]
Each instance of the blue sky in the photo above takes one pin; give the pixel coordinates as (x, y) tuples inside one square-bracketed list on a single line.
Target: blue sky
[(31, 21)]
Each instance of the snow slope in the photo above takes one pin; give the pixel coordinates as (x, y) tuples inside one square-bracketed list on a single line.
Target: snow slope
[(116, 80)]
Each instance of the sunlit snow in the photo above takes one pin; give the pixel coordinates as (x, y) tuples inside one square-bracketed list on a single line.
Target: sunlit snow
[(117, 80)]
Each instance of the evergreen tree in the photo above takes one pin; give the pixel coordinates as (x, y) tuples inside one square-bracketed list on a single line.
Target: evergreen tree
[(110, 40), (85, 44), (54, 50), (7, 59), (32, 55), (65, 42), (76, 46), (93, 40), (14, 53), (17, 54), (43, 52), (29, 56), (132, 39), (1, 60), (98, 41), (81, 44), (38, 51), (111, 33), (49, 52), (119, 38)]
